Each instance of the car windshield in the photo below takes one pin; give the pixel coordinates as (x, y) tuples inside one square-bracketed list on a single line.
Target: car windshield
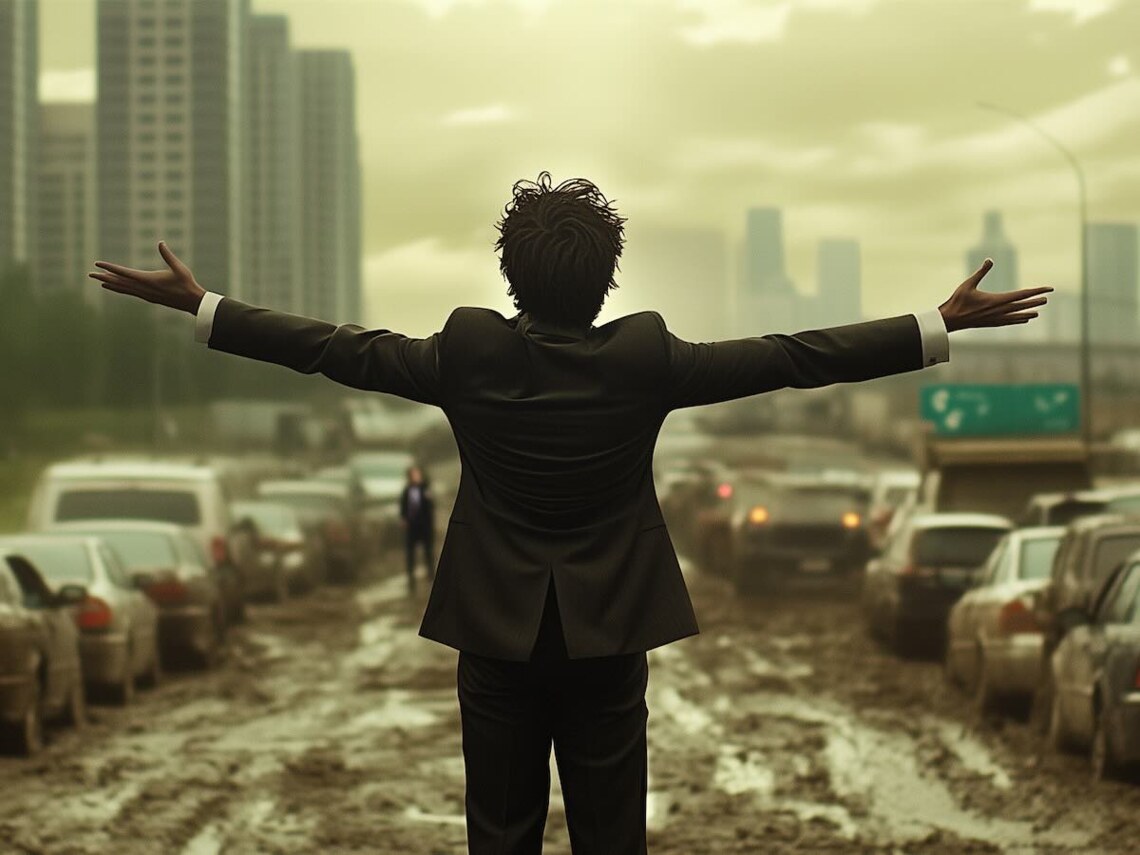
[(955, 546), (1037, 557), (57, 561), (806, 503), (311, 502), (140, 548), (1111, 552), (271, 518), (1124, 505), (1065, 512), (134, 503)]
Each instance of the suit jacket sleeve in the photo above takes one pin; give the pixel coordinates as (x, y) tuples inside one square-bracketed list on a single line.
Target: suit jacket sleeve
[(710, 372), (375, 360)]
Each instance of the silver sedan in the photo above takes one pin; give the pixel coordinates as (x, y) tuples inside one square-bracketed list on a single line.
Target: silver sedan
[(994, 643)]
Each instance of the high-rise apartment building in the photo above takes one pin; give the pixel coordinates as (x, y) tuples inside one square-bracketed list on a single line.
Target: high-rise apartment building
[(19, 73), (169, 134), (1113, 316), (330, 186), (65, 242), (766, 300), (273, 195)]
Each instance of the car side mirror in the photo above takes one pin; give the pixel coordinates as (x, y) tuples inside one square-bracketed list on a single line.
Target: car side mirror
[(1070, 618), (70, 595)]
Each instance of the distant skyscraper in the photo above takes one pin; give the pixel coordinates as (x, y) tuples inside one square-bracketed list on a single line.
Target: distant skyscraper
[(273, 195), (840, 282), (767, 299), (65, 245), (1062, 316), (330, 186), (19, 105), (169, 137), (1002, 276), (1112, 283)]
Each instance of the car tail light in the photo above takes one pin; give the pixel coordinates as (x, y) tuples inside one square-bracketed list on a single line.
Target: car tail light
[(851, 520), (724, 491), (219, 550), (93, 613), (916, 570), (1136, 677), (758, 515), (168, 590), (1016, 617)]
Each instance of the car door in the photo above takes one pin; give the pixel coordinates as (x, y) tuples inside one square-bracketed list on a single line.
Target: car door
[(968, 618), (139, 613), (1090, 647)]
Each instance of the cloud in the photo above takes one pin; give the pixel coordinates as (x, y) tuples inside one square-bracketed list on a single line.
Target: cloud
[(715, 155), (751, 21), (1081, 10), (492, 114), (76, 84)]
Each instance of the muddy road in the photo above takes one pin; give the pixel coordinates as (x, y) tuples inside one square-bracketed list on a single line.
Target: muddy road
[(332, 727)]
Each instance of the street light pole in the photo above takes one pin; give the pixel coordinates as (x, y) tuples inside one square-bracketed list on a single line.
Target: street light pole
[(1084, 348)]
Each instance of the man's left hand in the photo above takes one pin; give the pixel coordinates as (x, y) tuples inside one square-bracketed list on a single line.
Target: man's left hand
[(175, 286)]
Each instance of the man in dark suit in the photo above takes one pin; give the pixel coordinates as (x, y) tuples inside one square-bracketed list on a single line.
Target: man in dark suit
[(417, 514), (557, 573)]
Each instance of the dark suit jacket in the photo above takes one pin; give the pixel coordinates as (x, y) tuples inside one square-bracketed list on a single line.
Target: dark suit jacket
[(425, 515), (556, 428)]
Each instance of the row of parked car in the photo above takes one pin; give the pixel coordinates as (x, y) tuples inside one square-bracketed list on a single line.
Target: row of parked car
[(1039, 610), (128, 564)]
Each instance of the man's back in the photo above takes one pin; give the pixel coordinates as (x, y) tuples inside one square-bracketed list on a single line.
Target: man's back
[(555, 427)]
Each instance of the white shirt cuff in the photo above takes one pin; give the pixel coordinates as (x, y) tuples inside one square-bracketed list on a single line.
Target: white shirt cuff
[(935, 339), (204, 322)]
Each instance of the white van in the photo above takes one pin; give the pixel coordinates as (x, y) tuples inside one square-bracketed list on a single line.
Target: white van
[(189, 494)]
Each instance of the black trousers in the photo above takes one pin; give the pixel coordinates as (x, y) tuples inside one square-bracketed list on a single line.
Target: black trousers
[(593, 712), (422, 536)]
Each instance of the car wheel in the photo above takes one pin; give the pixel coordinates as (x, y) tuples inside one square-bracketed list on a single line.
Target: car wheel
[(30, 734), (1059, 737), (124, 690), (985, 699), (152, 677), (1105, 765), (76, 712), (949, 675)]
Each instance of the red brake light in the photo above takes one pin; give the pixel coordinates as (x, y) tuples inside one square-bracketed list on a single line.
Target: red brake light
[(724, 491), (1016, 617), (1136, 679), (93, 613), (219, 550)]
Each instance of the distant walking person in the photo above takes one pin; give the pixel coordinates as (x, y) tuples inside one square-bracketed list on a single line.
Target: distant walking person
[(417, 513), (557, 573)]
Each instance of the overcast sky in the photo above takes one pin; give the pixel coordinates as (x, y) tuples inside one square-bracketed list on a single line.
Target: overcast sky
[(858, 117)]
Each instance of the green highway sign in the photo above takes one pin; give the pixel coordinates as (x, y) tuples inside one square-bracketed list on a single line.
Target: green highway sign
[(1001, 410)]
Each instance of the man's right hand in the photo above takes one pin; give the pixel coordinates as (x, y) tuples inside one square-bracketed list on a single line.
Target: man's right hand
[(175, 287), (969, 308)]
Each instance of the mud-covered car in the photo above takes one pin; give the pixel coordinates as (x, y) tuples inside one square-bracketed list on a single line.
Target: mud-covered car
[(929, 563), (291, 547), (118, 638), (787, 527), (40, 673), (329, 508), (1049, 509), (993, 640), (166, 563), (1096, 677)]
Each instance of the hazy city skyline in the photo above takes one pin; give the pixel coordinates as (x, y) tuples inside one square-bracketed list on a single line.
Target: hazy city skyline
[(856, 118)]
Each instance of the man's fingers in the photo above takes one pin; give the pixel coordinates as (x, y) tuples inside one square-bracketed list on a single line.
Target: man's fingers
[(129, 272), (172, 260), (980, 273), (1024, 294)]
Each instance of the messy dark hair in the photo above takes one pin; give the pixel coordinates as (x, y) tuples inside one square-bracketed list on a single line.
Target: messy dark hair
[(560, 247)]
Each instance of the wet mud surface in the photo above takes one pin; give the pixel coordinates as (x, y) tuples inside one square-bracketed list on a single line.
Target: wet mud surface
[(332, 727)]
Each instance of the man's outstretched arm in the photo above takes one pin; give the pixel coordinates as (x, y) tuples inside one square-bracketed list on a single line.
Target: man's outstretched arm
[(706, 373), (375, 360)]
